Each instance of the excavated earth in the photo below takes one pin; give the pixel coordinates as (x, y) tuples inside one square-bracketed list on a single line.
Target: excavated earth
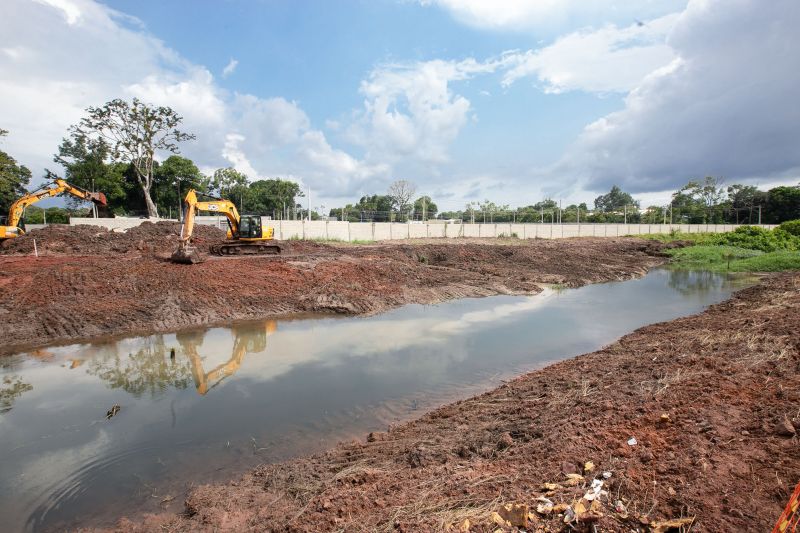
[(711, 400), (89, 282)]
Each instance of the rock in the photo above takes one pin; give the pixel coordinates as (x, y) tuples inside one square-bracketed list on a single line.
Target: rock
[(505, 441), (745, 433), (550, 486), (560, 508), (568, 468), (573, 479), (664, 419), (499, 520), (646, 456), (785, 428), (671, 491), (515, 514), (376, 436), (545, 506)]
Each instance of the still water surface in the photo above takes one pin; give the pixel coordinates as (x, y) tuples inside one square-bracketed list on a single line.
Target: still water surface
[(235, 397)]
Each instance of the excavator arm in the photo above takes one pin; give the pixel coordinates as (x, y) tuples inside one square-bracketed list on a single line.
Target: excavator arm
[(59, 186)]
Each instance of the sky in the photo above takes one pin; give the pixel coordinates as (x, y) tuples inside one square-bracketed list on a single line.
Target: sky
[(512, 101)]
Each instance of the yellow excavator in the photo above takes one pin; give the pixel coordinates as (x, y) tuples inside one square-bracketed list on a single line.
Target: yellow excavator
[(246, 235), (15, 225), (248, 339)]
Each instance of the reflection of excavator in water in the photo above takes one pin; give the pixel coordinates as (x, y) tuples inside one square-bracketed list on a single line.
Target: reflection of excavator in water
[(15, 224), (246, 235), (248, 339)]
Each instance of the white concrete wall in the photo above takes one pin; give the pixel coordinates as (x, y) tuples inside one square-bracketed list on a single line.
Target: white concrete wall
[(380, 231)]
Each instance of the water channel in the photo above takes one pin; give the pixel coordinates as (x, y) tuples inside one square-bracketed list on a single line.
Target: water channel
[(234, 397)]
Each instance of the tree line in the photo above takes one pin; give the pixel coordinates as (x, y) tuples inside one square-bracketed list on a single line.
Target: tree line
[(113, 149)]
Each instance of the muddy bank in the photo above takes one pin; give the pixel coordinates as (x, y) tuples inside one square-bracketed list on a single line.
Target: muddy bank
[(711, 401), (63, 297)]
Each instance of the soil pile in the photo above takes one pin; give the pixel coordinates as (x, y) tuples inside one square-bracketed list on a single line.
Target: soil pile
[(71, 297), (691, 424), (160, 237)]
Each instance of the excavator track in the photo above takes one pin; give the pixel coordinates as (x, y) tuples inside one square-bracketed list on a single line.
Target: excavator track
[(245, 248)]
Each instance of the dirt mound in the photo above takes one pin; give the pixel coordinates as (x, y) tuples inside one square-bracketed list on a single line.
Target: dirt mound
[(160, 236), (710, 401)]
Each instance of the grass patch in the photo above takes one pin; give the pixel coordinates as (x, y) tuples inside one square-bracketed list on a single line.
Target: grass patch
[(733, 259)]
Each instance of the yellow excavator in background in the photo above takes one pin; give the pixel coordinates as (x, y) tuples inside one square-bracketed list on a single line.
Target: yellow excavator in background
[(248, 339), (246, 234), (15, 225)]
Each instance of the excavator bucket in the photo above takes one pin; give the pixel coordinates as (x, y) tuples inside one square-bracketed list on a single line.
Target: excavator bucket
[(186, 255), (99, 198)]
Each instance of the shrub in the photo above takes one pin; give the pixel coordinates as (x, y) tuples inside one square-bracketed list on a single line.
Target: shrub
[(757, 238), (791, 226)]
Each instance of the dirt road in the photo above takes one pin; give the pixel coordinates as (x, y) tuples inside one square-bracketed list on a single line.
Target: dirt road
[(92, 283), (711, 401)]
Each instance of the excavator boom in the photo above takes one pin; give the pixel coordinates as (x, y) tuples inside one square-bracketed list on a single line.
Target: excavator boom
[(59, 186)]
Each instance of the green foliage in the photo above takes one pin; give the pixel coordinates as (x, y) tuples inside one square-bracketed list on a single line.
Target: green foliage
[(173, 178), (757, 238), (426, 205), (614, 200), (792, 227), (133, 133), (734, 259), (230, 184), (14, 178), (783, 203), (274, 197)]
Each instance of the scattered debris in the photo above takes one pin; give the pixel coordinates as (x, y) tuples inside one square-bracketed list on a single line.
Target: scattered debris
[(670, 525), (785, 428), (573, 479), (588, 466), (632, 441), (545, 506), (113, 411), (595, 491), (607, 475), (516, 514)]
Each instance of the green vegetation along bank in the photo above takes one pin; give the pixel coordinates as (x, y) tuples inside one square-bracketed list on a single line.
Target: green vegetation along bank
[(747, 249)]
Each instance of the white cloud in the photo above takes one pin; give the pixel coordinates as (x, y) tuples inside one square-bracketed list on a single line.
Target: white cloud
[(726, 106), (610, 59), (549, 14), (61, 56), (230, 67), (410, 110)]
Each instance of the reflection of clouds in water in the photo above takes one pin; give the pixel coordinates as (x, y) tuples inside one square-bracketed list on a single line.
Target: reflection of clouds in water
[(331, 343), (476, 318)]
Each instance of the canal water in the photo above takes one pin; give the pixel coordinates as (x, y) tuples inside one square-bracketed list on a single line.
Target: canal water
[(202, 406)]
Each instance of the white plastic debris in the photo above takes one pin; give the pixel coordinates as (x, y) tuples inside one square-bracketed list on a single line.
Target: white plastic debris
[(595, 491), (632, 441), (607, 475)]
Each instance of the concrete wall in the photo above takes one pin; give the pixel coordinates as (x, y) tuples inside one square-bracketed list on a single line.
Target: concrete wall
[(379, 231)]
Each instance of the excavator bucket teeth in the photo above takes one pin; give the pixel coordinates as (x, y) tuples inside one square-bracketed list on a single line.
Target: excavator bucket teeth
[(186, 256)]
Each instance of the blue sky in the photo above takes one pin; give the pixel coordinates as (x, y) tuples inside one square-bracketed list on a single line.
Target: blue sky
[(510, 100)]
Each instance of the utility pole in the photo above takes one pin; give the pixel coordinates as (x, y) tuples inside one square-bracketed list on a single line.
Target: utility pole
[(759, 215), (541, 209), (664, 211), (559, 211), (309, 204), (625, 211)]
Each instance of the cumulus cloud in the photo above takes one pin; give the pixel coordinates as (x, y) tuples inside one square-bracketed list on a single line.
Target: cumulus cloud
[(610, 59), (545, 14), (230, 67), (411, 111), (725, 106), (65, 53)]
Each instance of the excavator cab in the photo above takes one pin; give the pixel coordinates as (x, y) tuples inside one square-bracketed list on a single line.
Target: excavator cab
[(251, 229)]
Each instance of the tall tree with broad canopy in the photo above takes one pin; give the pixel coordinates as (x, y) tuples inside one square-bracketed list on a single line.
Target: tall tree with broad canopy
[(230, 184), (614, 200), (271, 196), (134, 132), (13, 179), (425, 206), (174, 177)]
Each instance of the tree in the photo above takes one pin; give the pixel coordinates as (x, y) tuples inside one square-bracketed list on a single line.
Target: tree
[(614, 200), (783, 203), (424, 206), (13, 179), (698, 202), (745, 198), (230, 184), (174, 177), (401, 192), (134, 132), (273, 196), (84, 161)]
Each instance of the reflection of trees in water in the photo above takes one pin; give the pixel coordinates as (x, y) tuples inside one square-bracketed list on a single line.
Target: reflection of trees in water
[(12, 387), (689, 282), (150, 369)]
